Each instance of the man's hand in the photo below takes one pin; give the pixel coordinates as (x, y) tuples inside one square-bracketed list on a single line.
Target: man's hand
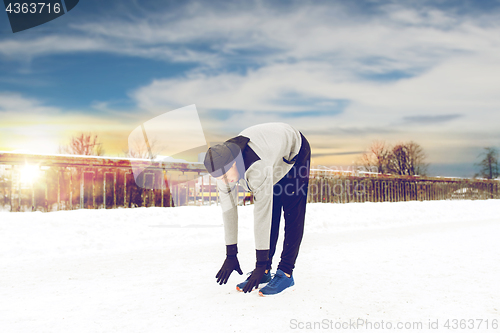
[(258, 272), (230, 264), (254, 279)]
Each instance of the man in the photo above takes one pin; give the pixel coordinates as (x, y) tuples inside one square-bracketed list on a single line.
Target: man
[(272, 161)]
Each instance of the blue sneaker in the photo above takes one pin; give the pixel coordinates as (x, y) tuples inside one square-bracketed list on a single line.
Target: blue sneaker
[(279, 283), (265, 279)]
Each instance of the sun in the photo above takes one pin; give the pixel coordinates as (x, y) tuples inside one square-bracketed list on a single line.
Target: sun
[(29, 174)]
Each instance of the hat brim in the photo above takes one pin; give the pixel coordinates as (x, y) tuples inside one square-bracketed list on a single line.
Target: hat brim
[(222, 171)]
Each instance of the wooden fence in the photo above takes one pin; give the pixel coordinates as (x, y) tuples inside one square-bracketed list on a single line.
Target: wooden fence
[(59, 182)]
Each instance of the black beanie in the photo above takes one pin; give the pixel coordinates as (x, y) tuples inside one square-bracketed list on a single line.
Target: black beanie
[(219, 158)]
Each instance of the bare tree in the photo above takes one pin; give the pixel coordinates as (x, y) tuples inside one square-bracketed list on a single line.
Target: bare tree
[(140, 149), (83, 144), (377, 156), (488, 167), (407, 159), (402, 159)]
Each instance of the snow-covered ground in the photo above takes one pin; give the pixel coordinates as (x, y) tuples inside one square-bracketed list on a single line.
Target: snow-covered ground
[(153, 270)]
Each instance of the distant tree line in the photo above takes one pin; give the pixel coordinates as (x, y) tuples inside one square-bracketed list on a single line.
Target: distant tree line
[(83, 144), (406, 158)]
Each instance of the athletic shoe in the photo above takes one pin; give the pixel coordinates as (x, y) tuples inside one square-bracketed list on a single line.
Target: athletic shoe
[(279, 283), (265, 279)]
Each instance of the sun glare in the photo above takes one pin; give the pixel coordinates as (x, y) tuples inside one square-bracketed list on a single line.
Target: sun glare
[(29, 174)]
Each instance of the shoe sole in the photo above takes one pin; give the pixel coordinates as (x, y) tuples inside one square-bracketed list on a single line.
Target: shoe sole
[(291, 288)]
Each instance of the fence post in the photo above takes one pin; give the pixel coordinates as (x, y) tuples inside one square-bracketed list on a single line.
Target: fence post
[(71, 190), (153, 190), (19, 193), (195, 193), (59, 172), (125, 174), (11, 202), (162, 185), (104, 189), (32, 196), (354, 193), (321, 188), (210, 190), (114, 189)]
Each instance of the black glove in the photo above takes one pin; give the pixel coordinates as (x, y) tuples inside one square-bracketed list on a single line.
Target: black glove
[(258, 272), (230, 264)]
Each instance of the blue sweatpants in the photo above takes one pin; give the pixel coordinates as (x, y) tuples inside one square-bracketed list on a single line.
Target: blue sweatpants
[(290, 197)]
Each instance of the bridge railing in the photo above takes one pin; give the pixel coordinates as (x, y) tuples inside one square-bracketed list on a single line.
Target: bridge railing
[(30, 182), (343, 187)]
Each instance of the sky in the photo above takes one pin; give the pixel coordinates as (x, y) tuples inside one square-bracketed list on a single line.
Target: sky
[(344, 73)]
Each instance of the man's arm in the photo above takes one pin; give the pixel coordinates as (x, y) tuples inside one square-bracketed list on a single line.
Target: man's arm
[(229, 204), (263, 201), (263, 206)]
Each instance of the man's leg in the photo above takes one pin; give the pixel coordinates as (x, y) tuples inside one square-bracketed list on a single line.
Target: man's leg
[(294, 200)]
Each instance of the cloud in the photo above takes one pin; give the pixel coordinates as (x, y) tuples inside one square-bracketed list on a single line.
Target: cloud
[(258, 34), (15, 103), (277, 88), (28, 48), (358, 152), (459, 94), (394, 62), (378, 61), (424, 120)]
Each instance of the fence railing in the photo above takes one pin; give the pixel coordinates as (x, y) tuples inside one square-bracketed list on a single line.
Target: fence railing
[(59, 182), (30, 182), (338, 187)]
